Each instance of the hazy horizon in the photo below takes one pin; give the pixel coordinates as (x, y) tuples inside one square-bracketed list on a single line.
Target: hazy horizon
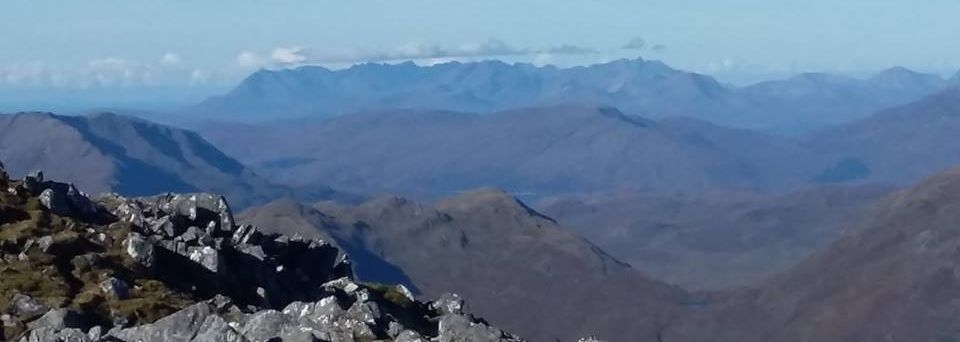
[(202, 48)]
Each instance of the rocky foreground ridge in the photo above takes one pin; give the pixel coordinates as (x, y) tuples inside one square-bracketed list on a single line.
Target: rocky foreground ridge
[(178, 268)]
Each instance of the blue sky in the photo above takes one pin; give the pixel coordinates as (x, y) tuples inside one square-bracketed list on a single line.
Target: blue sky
[(212, 44)]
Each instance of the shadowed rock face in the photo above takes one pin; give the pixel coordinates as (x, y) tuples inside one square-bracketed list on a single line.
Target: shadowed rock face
[(516, 267), (891, 277), (177, 268), (107, 152)]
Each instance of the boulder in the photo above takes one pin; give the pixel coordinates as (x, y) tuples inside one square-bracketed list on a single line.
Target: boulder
[(183, 325), (139, 249), (455, 328), (57, 335), (115, 288), (57, 319), (25, 307), (66, 200), (32, 183), (448, 304)]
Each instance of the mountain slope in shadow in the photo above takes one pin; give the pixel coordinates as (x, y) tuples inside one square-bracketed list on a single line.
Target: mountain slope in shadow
[(546, 150), (113, 153), (520, 268), (891, 277)]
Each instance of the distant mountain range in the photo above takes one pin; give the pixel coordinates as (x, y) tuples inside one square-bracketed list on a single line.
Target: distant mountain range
[(812, 100), (891, 275), (540, 151), (516, 267), (655, 89), (113, 153), (637, 87)]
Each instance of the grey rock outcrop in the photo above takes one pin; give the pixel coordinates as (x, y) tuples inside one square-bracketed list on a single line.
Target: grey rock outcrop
[(214, 280), (361, 315)]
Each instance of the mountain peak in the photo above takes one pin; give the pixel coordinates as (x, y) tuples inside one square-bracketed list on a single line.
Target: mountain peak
[(897, 70), (955, 80), (902, 77), (490, 199)]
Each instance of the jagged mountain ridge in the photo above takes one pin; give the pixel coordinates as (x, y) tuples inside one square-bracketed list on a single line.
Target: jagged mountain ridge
[(140, 269), (535, 150), (638, 87), (518, 268), (107, 152), (473, 87), (815, 100)]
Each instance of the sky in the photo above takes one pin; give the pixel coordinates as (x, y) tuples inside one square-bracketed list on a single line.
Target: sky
[(197, 46)]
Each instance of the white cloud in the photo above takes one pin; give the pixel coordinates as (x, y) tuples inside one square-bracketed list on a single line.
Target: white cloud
[(419, 52), (170, 69), (31, 74), (170, 59), (543, 59), (198, 77), (289, 55), (107, 72), (248, 59)]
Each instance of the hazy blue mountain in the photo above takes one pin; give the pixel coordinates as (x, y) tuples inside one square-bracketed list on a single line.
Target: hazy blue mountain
[(901, 144), (955, 80), (535, 150), (637, 87), (108, 152), (813, 100)]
